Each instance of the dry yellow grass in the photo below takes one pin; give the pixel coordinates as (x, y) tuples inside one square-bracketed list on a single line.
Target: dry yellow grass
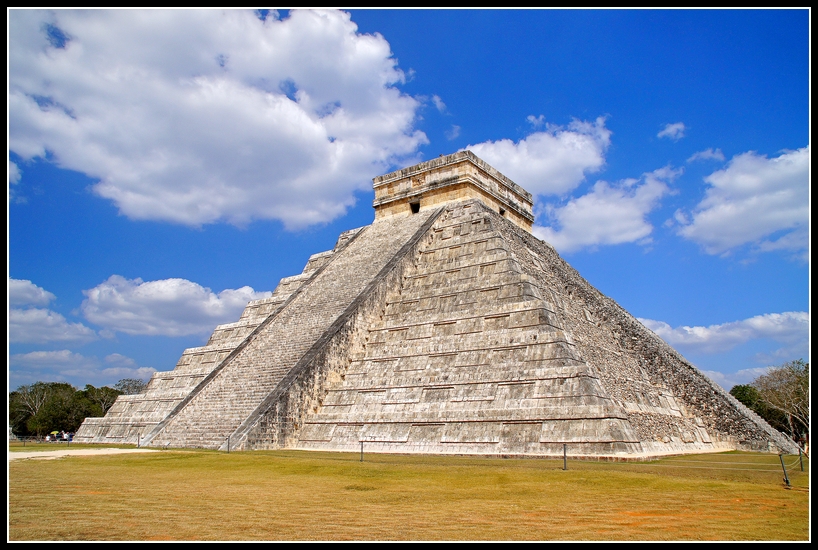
[(288, 495)]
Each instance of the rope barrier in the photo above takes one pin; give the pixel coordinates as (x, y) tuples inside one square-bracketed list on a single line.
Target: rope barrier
[(721, 469), (727, 465), (719, 462), (794, 462)]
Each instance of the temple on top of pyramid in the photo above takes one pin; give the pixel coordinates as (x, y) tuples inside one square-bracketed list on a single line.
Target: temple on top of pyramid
[(443, 327), (451, 178)]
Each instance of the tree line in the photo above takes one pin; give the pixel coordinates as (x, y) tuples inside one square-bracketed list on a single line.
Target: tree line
[(44, 407), (781, 397)]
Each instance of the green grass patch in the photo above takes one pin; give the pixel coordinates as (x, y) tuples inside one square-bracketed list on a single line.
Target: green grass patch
[(291, 495)]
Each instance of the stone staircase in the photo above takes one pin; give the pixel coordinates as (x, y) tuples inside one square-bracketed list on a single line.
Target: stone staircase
[(133, 417), (468, 357), (229, 395)]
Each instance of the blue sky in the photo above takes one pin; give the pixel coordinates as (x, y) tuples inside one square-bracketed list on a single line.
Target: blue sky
[(165, 167)]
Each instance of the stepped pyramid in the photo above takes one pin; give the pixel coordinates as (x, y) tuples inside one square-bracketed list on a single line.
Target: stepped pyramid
[(445, 326)]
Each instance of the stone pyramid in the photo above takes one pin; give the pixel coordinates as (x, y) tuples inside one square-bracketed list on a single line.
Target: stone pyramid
[(445, 326)]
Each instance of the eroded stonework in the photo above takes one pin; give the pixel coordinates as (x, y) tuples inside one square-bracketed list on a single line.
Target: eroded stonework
[(446, 327)]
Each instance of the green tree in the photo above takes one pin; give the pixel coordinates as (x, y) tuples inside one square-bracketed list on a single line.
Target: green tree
[(750, 397), (786, 389), (102, 398), (43, 407), (55, 410), (27, 406)]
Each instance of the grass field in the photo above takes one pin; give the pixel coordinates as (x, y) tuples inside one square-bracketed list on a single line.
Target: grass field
[(290, 495)]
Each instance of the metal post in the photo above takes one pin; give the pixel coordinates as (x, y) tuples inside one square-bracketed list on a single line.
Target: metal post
[(362, 450), (786, 478), (138, 440), (564, 456), (801, 458), (228, 444)]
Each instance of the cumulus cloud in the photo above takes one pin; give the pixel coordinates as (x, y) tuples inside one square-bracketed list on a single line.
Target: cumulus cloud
[(675, 131), (551, 162), (56, 363), (25, 293), (790, 328), (439, 105), (119, 360), (197, 117), (757, 200), (71, 367), (728, 380), (36, 325), (118, 366), (168, 307), (707, 154), (608, 214), (536, 121), (41, 326), (14, 173), (14, 178)]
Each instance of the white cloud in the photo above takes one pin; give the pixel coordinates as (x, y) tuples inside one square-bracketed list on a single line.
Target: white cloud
[(112, 375), (169, 307), (552, 162), (755, 200), (74, 368), (200, 116), (42, 326), (14, 178), (536, 121), (37, 325), (609, 214), (675, 131), (119, 360), (14, 173), (26, 293), (728, 380), (439, 105), (453, 132), (707, 154), (55, 361), (790, 328), (120, 366)]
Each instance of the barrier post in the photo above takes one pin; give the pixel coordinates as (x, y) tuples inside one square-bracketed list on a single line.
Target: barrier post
[(362, 450), (786, 477), (564, 456)]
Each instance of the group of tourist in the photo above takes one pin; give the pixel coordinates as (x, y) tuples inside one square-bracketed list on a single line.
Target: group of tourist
[(59, 436)]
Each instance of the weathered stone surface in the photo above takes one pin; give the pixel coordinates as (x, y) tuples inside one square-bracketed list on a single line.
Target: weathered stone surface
[(452, 178), (447, 328)]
